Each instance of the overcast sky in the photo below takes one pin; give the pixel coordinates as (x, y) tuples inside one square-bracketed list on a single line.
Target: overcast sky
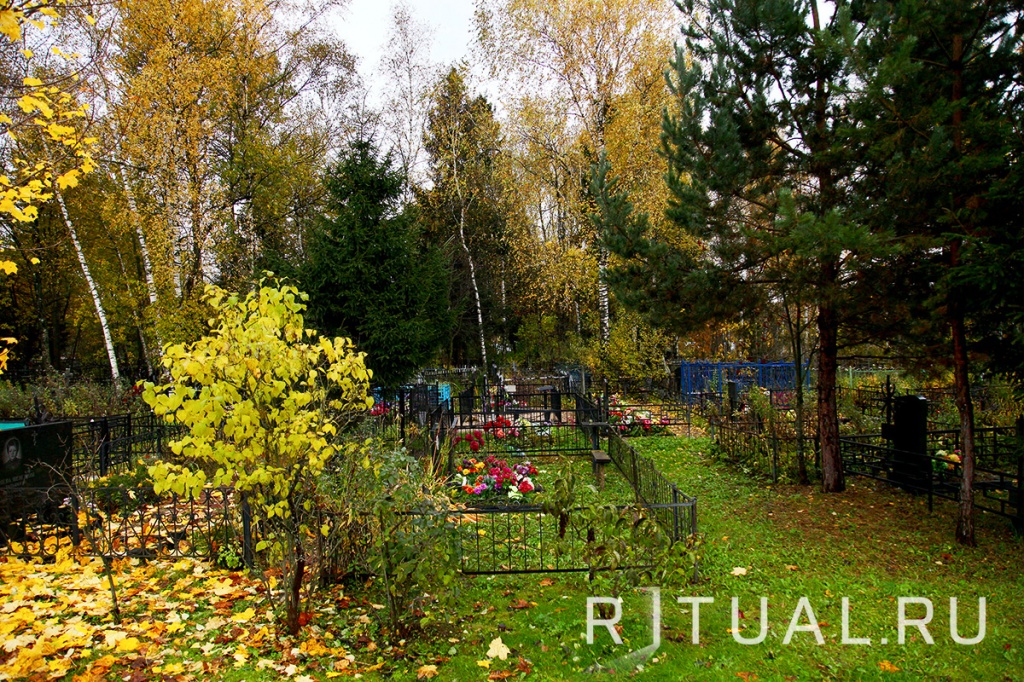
[(363, 25)]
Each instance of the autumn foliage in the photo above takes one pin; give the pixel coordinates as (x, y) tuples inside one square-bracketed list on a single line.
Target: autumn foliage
[(263, 399)]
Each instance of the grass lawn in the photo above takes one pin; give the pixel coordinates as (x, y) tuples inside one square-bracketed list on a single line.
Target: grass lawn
[(870, 545)]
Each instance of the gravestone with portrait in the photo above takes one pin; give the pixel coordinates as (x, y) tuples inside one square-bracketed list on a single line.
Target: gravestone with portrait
[(35, 469), (35, 456)]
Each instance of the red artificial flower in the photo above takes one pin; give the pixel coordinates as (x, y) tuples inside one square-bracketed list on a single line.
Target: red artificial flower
[(474, 445)]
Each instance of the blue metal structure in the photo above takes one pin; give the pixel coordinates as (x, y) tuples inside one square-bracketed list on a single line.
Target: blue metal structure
[(702, 376)]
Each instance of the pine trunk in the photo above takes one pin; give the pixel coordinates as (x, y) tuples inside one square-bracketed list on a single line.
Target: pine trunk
[(832, 479)]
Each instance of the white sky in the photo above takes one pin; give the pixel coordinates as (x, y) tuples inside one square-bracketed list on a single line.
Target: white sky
[(363, 25)]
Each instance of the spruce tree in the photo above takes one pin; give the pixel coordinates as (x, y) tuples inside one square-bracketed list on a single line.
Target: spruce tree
[(369, 276)]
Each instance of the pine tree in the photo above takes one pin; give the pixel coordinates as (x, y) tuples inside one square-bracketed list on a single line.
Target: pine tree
[(758, 170), (369, 276), (941, 121)]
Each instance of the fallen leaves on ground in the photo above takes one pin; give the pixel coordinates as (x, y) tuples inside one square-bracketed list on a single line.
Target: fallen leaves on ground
[(739, 570), (425, 672), (887, 667), (180, 620)]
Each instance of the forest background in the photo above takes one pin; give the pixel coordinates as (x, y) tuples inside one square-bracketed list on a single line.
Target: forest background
[(209, 142)]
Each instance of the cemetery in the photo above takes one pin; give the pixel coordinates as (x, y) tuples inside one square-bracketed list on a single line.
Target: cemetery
[(483, 340)]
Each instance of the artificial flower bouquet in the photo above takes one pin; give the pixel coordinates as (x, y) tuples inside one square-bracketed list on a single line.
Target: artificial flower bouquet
[(493, 481)]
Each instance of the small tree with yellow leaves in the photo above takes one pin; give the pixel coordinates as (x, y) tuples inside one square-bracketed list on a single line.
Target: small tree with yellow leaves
[(264, 400)]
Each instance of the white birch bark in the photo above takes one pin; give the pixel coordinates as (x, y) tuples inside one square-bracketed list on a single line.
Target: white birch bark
[(93, 290), (472, 279), (147, 264), (602, 297), (465, 245)]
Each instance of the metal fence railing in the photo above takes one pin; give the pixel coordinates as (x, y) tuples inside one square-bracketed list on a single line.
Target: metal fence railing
[(653, 490), (112, 443), (123, 522), (937, 472), (528, 540)]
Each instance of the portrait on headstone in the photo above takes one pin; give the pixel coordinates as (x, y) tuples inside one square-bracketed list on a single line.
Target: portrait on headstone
[(12, 453)]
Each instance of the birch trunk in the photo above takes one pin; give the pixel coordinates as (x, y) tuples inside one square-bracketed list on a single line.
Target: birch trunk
[(463, 204), (147, 264), (476, 289), (602, 295), (93, 290), (147, 268), (135, 310)]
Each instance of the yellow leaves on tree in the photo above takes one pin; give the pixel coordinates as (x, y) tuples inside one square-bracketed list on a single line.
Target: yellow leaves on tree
[(263, 399), (50, 114), (9, 268), (14, 14)]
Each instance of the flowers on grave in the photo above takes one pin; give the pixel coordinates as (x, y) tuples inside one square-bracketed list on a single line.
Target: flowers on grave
[(539, 429), (380, 409), (494, 479), (630, 421), (501, 427), (946, 460), (473, 439)]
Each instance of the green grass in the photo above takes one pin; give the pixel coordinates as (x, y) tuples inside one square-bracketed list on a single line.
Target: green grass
[(870, 545)]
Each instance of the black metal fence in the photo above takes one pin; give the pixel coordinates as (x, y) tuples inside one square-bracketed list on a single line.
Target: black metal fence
[(113, 443), (676, 511), (125, 523), (525, 539), (522, 538), (766, 448), (937, 472)]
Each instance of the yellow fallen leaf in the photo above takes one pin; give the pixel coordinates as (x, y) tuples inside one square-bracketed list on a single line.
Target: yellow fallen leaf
[(112, 637), (887, 667), (425, 672), (244, 616), (497, 649), (739, 570), (314, 647), (484, 663), (128, 644)]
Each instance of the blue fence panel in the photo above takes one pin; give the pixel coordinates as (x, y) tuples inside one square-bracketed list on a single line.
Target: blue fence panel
[(702, 376)]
